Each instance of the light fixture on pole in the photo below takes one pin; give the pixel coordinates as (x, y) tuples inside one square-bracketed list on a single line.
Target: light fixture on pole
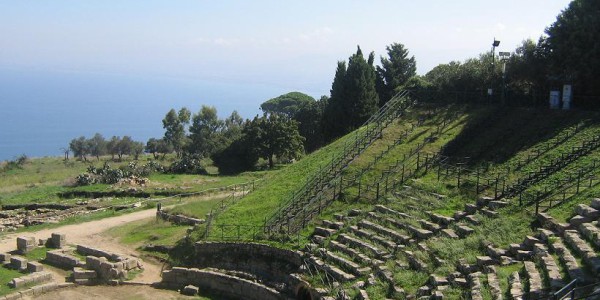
[(504, 57), (495, 44)]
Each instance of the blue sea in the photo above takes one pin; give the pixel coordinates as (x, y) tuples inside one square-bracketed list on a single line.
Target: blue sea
[(41, 111)]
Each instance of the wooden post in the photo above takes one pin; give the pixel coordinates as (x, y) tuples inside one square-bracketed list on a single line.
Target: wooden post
[(377, 197), (477, 184)]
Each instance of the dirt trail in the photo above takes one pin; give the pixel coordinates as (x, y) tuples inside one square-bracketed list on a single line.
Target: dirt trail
[(90, 233)]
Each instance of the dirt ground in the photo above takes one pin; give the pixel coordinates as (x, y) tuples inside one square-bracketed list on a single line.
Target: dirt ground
[(129, 292), (91, 233)]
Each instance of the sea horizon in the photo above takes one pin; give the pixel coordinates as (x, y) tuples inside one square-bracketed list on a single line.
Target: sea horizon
[(42, 111)]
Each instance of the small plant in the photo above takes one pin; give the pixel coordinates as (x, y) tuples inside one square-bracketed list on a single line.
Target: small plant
[(17, 163)]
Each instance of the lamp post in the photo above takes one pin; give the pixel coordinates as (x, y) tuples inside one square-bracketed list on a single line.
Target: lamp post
[(495, 44), (504, 57)]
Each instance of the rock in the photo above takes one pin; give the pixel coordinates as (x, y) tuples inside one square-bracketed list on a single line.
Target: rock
[(190, 290)]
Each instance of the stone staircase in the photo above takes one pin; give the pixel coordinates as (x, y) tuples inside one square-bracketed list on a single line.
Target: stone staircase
[(363, 247)]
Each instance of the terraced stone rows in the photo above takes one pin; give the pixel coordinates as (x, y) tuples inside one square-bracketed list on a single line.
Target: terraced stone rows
[(383, 229)]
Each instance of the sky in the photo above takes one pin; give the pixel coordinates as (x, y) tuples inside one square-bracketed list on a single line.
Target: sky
[(293, 45)]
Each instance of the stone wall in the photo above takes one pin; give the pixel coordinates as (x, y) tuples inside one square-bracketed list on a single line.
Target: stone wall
[(178, 219), (262, 260), (219, 283), (63, 260)]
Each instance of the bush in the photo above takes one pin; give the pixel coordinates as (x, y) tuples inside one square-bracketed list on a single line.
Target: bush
[(108, 175), (188, 164), (15, 164)]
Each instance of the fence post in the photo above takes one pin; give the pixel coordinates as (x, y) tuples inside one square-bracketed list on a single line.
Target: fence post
[(377, 197), (477, 185), (386, 182), (359, 185), (496, 187), (458, 177), (438, 172), (578, 180)]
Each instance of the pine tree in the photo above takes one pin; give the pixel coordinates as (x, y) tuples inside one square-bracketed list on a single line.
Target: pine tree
[(394, 71)]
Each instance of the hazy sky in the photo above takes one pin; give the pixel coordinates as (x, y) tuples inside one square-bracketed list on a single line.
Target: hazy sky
[(291, 44)]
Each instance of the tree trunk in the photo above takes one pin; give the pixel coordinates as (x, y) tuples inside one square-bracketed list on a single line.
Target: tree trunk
[(271, 162)]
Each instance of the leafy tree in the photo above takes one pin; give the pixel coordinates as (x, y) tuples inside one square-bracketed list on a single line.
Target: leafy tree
[(236, 157), (97, 145), (137, 148), (125, 146), (112, 146), (232, 127), (573, 45), (205, 131), (265, 137), (394, 71), (310, 125), (79, 147), (158, 146), (275, 136), (174, 124), (286, 104)]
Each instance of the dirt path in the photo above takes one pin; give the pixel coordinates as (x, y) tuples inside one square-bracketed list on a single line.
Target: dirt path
[(90, 233)]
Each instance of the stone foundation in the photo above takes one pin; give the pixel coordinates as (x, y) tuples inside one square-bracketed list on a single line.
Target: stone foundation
[(225, 285)]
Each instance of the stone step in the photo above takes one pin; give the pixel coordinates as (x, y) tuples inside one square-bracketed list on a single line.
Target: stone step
[(429, 225), (551, 269), (497, 204), (449, 233), (382, 209), (332, 224), (572, 267), (439, 219), (464, 230), (324, 231), (334, 271), (357, 243), (494, 284), (595, 203), (356, 255), (362, 295), (349, 265), (587, 212), (515, 286), (414, 262), (489, 213), (362, 233), (591, 232), (475, 285), (396, 236), (473, 220), (536, 287), (582, 248)]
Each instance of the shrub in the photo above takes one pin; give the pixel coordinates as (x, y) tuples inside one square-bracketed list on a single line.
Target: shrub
[(188, 164)]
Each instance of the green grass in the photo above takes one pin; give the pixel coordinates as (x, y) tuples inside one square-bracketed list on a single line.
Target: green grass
[(198, 208), (153, 231), (279, 185), (6, 275), (37, 254)]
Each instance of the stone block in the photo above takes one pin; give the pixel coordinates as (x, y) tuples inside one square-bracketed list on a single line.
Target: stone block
[(4, 258), (18, 263), (483, 261), (34, 266), (81, 273), (578, 220), (587, 211), (59, 240), (470, 208), (25, 244), (595, 203)]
